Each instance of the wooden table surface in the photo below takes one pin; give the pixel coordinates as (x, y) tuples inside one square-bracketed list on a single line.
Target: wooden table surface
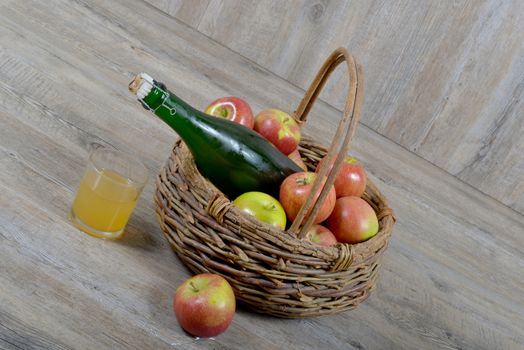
[(453, 276)]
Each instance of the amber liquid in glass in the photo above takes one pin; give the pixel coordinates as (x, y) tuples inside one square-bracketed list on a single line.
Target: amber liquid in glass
[(104, 203)]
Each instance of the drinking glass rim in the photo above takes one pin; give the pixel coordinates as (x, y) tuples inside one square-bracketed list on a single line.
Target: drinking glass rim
[(126, 156)]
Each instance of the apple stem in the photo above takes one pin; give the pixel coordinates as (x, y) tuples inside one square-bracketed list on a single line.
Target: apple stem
[(195, 289), (302, 181)]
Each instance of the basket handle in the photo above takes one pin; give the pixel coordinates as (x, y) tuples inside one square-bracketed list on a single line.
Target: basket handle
[(343, 136)]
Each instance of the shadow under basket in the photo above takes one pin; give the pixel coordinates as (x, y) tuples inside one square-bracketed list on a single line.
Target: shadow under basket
[(273, 271)]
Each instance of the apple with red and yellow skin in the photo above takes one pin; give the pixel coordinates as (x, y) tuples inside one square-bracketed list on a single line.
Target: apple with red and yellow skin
[(262, 206), (351, 178), (294, 191), (204, 305), (279, 128), (321, 235), (353, 220), (232, 108), (297, 158)]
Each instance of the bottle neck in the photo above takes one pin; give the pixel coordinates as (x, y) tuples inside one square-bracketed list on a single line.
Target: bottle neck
[(161, 102), (171, 109), (155, 97)]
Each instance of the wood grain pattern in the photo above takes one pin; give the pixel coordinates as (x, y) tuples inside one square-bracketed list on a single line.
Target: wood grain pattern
[(453, 276), (190, 12), (445, 78)]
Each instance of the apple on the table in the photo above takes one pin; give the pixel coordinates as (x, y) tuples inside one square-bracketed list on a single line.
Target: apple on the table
[(294, 191), (263, 207), (351, 178), (353, 220), (279, 128), (321, 235), (204, 305), (232, 108)]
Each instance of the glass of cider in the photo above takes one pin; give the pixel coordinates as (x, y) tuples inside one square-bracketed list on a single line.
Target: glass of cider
[(108, 193)]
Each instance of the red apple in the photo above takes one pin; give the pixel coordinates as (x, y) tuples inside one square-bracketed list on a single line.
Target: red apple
[(279, 128), (352, 220), (297, 158), (321, 235), (294, 191), (351, 178), (232, 108), (262, 206), (204, 305)]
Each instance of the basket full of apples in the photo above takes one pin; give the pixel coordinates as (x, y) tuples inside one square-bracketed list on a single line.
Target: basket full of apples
[(311, 247)]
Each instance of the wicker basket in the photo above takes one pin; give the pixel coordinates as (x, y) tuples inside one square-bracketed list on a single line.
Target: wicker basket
[(274, 271)]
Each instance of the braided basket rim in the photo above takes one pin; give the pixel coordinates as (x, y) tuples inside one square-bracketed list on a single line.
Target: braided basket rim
[(225, 211)]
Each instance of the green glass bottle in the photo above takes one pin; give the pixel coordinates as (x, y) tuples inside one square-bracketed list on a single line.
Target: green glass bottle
[(234, 158)]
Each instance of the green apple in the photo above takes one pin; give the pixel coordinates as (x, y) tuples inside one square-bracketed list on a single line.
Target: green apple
[(263, 207)]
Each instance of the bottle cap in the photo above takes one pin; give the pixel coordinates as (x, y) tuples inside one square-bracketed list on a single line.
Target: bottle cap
[(141, 85)]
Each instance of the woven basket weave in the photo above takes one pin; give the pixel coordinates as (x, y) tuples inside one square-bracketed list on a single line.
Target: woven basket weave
[(273, 271)]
